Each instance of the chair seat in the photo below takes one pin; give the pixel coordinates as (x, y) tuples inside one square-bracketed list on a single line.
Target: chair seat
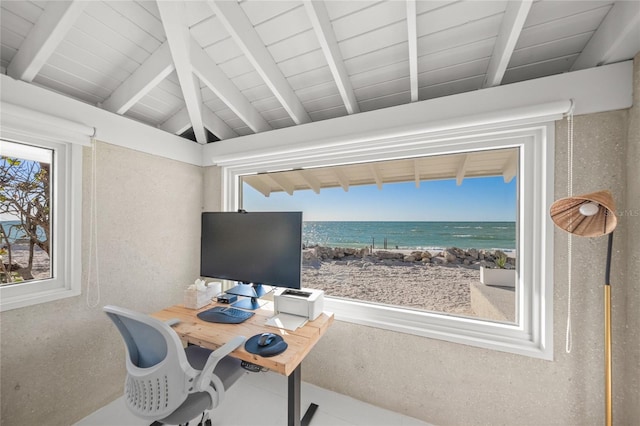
[(192, 407), (228, 368)]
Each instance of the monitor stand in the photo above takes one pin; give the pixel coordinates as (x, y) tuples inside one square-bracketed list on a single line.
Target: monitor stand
[(253, 302)]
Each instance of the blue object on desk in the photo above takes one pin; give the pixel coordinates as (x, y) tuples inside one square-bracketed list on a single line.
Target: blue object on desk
[(272, 344), (221, 314)]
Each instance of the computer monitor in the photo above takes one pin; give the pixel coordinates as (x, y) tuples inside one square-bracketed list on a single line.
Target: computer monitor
[(252, 247)]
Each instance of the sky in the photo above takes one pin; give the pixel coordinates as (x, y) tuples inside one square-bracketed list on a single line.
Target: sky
[(475, 200)]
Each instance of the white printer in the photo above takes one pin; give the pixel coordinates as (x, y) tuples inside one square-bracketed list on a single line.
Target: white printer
[(305, 302)]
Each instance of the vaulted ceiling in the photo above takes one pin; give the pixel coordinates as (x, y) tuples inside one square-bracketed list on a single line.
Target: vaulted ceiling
[(215, 70)]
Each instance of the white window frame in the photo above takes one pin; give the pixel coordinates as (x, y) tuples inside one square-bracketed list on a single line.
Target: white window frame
[(66, 202), (532, 335)]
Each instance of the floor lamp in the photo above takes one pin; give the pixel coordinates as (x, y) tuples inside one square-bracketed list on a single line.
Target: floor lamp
[(593, 215)]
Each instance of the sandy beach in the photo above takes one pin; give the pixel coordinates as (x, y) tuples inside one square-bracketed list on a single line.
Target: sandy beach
[(20, 255), (429, 287)]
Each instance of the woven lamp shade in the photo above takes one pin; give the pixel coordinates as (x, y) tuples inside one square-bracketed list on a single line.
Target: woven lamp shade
[(565, 213)]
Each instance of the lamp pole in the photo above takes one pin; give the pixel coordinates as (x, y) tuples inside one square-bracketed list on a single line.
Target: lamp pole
[(607, 337)]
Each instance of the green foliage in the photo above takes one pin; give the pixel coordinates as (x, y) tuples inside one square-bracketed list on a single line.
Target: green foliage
[(25, 194), (501, 261)]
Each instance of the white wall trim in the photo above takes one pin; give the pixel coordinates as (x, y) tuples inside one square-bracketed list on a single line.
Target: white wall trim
[(593, 90), (111, 128), (19, 121)]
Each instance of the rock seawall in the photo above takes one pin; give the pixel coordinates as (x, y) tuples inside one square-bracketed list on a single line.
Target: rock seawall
[(452, 256)]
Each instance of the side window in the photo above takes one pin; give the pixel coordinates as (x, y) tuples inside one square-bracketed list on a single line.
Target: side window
[(39, 221), (25, 213)]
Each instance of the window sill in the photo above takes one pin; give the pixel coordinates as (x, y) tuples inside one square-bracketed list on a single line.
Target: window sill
[(9, 302), (456, 329)]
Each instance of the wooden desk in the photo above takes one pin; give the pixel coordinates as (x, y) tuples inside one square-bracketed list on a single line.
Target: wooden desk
[(194, 331)]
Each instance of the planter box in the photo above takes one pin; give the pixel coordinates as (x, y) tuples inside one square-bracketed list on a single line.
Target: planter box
[(498, 277)]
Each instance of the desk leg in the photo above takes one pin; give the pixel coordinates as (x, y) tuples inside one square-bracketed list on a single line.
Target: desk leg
[(293, 405)]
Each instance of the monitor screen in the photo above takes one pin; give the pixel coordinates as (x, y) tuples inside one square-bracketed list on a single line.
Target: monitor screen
[(253, 247)]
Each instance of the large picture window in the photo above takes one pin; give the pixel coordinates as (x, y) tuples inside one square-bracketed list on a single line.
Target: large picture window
[(436, 233), (465, 166)]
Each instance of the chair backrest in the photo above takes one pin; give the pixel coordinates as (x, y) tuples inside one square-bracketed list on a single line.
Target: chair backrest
[(159, 375)]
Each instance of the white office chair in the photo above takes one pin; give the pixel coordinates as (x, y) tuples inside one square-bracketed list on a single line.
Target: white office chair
[(165, 382)]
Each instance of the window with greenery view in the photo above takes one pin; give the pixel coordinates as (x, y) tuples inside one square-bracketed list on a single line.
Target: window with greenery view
[(40, 221), (25, 210)]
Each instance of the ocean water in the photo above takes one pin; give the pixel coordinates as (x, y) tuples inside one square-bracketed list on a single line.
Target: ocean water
[(411, 235), (15, 233)]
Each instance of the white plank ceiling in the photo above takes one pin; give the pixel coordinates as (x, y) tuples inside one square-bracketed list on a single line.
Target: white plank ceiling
[(219, 69)]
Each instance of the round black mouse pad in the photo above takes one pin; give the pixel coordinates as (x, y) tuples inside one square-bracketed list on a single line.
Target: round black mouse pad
[(277, 346)]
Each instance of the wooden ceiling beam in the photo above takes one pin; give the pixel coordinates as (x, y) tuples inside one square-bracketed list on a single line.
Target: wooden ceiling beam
[(416, 173), (234, 20), (616, 38), (510, 168), (216, 80), (343, 180), (257, 182), (155, 69), (412, 38), (377, 175), (174, 22), (462, 169), (49, 30), (282, 181), (216, 125), (513, 21), (319, 17), (309, 179), (178, 123)]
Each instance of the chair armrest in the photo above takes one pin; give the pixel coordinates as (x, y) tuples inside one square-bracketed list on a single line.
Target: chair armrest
[(206, 374), (173, 321)]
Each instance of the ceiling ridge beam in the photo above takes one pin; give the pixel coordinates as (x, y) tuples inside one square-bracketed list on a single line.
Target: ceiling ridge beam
[(244, 34), (43, 39), (216, 80), (412, 38), (152, 71), (513, 21), (172, 15), (618, 32), (317, 12)]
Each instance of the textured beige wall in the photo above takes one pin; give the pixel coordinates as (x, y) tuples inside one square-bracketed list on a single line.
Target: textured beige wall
[(212, 184), (62, 360), (631, 215), (451, 384)]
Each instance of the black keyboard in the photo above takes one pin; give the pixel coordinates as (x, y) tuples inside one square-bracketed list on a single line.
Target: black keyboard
[(225, 315)]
